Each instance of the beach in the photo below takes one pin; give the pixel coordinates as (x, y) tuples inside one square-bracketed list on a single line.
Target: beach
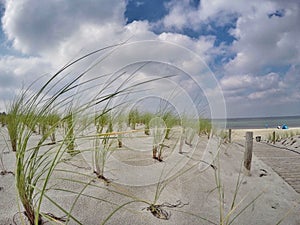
[(191, 195), (239, 134)]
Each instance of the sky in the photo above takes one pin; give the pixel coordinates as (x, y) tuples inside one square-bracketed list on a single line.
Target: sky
[(252, 48)]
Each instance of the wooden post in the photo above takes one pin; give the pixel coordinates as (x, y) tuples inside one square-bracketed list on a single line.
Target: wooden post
[(248, 153), (273, 137), (154, 152), (181, 141), (229, 136)]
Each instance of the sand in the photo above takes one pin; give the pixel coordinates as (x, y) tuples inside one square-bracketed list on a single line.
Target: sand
[(239, 134), (195, 189)]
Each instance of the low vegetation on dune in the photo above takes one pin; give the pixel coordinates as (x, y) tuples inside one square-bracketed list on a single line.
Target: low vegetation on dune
[(70, 118)]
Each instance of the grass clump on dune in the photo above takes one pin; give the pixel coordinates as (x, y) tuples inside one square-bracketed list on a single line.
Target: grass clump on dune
[(158, 131), (133, 118), (69, 133), (35, 165), (205, 127), (3, 119), (71, 96), (103, 144), (13, 120)]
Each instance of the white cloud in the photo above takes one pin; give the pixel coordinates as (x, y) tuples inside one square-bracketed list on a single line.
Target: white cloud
[(17, 73), (183, 15), (51, 33), (13, 69), (248, 81), (178, 16), (261, 40), (262, 95), (36, 26), (265, 42), (201, 46), (58, 33)]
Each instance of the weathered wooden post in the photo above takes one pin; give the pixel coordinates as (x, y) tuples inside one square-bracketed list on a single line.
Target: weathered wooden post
[(248, 153), (181, 140), (273, 137), (229, 136)]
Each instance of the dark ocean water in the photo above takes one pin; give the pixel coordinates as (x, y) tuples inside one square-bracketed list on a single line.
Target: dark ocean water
[(261, 122)]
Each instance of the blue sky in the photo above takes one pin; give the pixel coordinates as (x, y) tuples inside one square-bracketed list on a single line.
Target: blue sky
[(251, 47)]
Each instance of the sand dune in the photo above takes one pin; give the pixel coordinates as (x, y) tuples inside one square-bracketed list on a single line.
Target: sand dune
[(194, 192)]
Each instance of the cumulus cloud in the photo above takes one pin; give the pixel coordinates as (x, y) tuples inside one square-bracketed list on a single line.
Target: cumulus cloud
[(264, 39), (261, 40), (13, 69), (37, 26), (55, 33), (183, 14), (248, 81)]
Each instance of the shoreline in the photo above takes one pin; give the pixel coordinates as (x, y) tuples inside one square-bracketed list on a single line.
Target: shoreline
[(238, 134), (259, 122), (263, 128)]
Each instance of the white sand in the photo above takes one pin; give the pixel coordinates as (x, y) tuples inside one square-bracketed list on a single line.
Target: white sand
[(197, 188), (239, 134)]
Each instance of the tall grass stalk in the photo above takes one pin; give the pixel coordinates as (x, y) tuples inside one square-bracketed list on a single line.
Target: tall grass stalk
[(145, 119), (189, 130), (190, 135), (133, 118), (103, 148), (170, 122), (3, 170), (69, 132), (120, 127), (158, 131), (35, 165), (13, 119), (30, 167), (3, 119), (205, 127), (181, 139), (235, 207)]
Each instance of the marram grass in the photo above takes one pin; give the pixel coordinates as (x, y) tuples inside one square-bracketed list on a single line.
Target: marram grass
[(35, 165)]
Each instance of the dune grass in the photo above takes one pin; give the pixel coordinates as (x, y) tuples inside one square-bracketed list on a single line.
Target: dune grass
[(69, 124), (145, 119), (3, 119), (133, 118), (103, 145), (281, 134), (158, 130), (13, 119), (205, 127), (235, 210), (35, 165)]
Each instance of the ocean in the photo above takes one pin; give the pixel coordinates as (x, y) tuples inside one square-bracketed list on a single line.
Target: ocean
[(260, 122)]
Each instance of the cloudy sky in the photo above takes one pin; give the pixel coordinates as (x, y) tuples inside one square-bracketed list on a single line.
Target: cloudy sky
[(251, 47)]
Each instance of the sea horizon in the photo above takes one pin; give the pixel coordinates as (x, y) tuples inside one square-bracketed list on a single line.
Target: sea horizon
[(259, 122)]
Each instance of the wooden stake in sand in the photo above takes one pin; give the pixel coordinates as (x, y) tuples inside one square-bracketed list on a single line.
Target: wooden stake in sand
[(248, 153), (229, 136), (273, 137)]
